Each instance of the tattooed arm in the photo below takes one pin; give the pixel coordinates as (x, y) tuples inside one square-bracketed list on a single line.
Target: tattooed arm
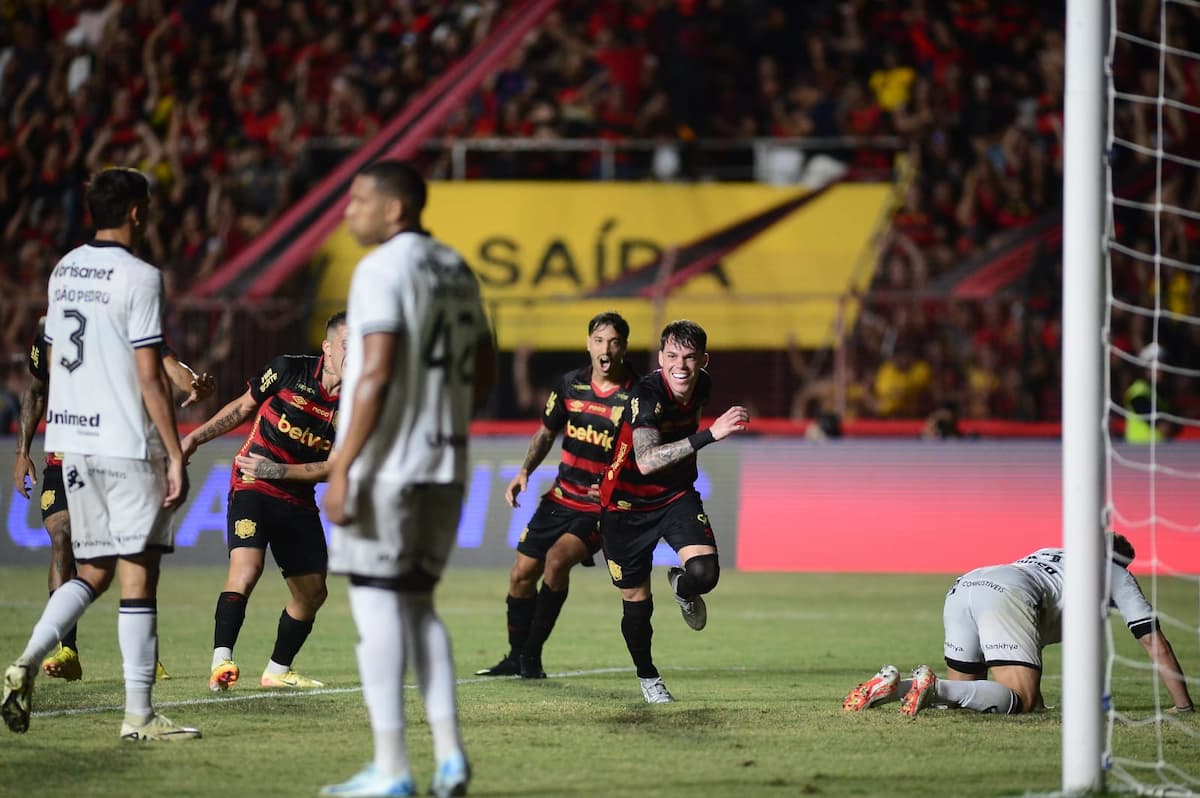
[(33, 407), (653, 456), (539, 446), (229, 417), (259, 467)]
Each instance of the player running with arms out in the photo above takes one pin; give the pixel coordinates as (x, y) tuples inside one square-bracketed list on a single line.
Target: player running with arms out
[(564, 531), (109, 411), (63, 662), (419, 359), (272, 501), (648, 493), (999, 618)]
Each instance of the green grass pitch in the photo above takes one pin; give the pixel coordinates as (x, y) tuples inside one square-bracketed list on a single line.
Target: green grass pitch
[(758, 692)]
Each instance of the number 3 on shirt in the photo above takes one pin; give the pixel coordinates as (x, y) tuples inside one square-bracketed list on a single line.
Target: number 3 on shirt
[(76, 338), (440, 352)]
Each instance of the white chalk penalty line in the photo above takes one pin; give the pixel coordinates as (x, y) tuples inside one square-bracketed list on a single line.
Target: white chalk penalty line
[(273, 694)]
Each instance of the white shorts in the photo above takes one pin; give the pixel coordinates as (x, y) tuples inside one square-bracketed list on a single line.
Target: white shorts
[(988, 622), (116, 505), (397, 529)]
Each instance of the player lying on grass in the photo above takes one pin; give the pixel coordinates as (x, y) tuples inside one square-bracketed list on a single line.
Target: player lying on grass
[(999, 618)]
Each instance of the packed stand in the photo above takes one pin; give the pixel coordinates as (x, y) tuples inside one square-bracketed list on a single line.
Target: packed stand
[(215, 101)]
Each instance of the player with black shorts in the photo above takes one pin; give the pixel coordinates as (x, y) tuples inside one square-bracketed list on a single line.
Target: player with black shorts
[(648, 493), (272, 500), (63, 662), (565, 530)]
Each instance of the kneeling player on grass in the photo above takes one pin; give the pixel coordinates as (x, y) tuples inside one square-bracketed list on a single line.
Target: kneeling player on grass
[(272, 500), (565, 529), (999, 618), (648, 493)]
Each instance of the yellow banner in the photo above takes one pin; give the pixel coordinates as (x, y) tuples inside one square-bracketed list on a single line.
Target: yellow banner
[(754, 265)]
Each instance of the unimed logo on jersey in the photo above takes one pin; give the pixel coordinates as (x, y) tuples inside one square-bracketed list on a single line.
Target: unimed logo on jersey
[(73, 419)]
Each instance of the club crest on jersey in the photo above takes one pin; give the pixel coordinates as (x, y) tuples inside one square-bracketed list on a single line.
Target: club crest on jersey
[(614, 413), (47, 500), (244, 528), (267, 380), (550, 400)]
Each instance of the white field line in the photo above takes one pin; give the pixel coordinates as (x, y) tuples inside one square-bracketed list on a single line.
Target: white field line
[(271, 694)]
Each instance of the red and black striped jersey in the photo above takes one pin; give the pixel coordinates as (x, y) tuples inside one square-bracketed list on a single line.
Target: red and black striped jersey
[(295, 423), (40, 370), (589, 421), (652, 404)]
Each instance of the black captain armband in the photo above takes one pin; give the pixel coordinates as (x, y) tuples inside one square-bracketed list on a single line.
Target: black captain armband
[(701, 439)]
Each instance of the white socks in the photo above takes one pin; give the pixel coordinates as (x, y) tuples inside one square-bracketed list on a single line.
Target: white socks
[(435, 670), (381, 665), (137, 633), (980, 695), (393, 626), (220, 654), (65, 606)]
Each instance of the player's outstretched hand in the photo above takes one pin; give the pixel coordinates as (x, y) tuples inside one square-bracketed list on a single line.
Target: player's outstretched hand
[(732, 420), (23, 468), (518, 484), (202, 387), (177, 484), (335, 498)]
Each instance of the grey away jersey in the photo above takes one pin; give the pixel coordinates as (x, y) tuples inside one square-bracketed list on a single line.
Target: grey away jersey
[(104, 302), (1040, 576), (422, 291)]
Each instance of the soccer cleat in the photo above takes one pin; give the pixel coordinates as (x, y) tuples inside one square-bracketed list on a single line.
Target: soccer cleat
[(922, 692), (158, 729), (694, 611), (654, 691), (874, 691), (451, 777), (18, 696), (224, 676), (531, 667), (370, 783), (509, 666), (160, 673), (63, 664), (289, 679)]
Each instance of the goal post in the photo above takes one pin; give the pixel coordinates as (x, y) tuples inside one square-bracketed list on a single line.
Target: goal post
[(1084, 396)]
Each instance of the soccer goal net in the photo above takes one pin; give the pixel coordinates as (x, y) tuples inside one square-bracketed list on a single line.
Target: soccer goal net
[(1151, 255)]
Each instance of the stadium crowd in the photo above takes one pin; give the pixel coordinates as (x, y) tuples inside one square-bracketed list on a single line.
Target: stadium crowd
[(231, 107)]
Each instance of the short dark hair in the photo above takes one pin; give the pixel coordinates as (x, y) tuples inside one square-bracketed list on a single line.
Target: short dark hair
[(335, 321), (685, 332), (612, 319), (401, 180), (112, 192), (1122, 551)]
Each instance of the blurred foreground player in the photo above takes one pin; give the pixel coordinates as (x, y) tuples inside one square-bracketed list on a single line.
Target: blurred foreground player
[(419, 357)]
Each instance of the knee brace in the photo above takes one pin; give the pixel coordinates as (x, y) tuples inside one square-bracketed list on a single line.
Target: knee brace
[(703, 572)]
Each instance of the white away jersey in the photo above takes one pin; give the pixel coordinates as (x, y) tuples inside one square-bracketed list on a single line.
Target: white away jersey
[(104, 303), (1040, 575), (422, 291)]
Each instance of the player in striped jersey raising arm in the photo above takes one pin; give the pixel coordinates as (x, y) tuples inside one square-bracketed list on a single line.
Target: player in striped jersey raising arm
[(565, 529), (648, 493), (272, 501), (109, 412), (419, 358)]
